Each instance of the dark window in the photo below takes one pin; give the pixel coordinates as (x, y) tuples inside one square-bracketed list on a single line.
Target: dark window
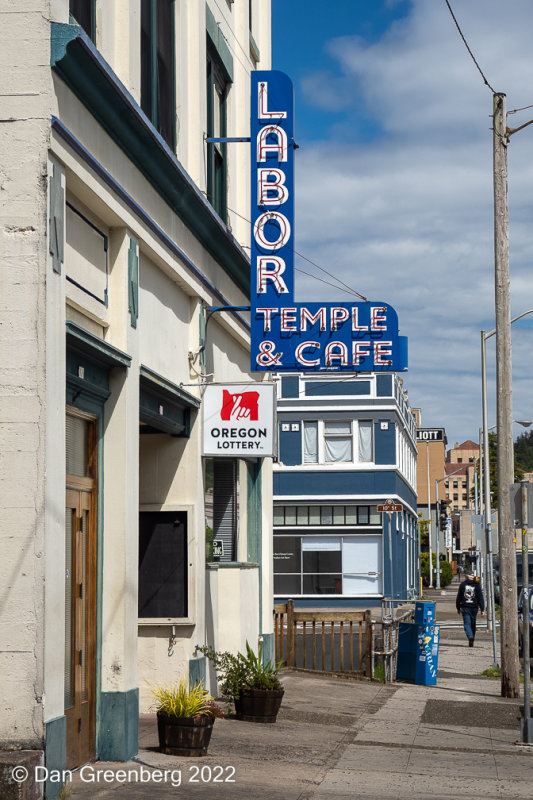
[(225, 508), (157, 66), (322, 561), (322, 584), (217, 90), (83, 12), (162, 564), (287, 553), (287, 584)]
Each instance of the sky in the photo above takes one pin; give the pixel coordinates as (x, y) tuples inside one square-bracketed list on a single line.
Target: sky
[(394, 189)]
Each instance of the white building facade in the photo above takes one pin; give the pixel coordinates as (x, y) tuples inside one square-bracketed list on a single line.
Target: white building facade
[(122, 229)]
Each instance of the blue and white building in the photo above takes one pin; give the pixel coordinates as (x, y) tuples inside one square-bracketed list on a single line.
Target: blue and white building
[(347, 445)]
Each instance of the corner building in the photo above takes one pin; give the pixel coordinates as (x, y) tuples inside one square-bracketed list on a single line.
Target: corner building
[(347, 444), (121, 229)]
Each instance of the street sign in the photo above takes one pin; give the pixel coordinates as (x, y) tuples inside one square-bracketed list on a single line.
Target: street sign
[(390, 506), (218, 548)]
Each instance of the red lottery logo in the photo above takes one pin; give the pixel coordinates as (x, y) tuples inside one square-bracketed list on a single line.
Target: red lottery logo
[(243, 405)]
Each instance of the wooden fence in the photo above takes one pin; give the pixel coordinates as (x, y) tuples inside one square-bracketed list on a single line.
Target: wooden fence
[(328, 640)]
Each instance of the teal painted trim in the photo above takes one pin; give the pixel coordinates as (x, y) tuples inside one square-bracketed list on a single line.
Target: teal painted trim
[(254, 525), (119, 725), (78, 63), (166, 387), (62, 36), (219, 43), (133, 282), (269, 649), (231, 565), (254, 512), (55, 753), (82, 341), (197, 671)]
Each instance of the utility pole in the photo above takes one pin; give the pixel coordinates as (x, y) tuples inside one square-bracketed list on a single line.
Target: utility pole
[(507, 543)]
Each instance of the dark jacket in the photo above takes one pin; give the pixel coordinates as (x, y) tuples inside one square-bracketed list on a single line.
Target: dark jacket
[(470, 596)]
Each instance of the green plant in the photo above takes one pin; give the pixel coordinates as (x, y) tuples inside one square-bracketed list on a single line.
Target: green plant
[(492, 672), (181, 701), (379, 671), (239, 673), (446, 574)]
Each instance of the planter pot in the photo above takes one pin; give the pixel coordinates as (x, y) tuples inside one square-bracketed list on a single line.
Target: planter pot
[(184, 736), (258, 705)]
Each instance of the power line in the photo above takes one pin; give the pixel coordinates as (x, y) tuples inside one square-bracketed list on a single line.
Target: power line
[(328, 283), (340, 284), (485, 81)]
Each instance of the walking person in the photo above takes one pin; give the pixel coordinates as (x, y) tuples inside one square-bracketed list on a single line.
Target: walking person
[(469, 601)]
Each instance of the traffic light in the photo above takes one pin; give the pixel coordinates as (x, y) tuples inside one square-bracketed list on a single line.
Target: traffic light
[(444, 513)]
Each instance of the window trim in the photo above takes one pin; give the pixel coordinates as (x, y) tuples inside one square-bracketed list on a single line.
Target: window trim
[(154, 115), (217, 89), (323, 436)]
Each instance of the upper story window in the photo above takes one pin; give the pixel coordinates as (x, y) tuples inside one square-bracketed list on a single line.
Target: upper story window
[(332, 441), (84, 12), (157, 66), (217, 91)]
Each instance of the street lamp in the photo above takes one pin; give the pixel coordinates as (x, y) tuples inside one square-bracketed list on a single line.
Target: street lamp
[(503, 490)]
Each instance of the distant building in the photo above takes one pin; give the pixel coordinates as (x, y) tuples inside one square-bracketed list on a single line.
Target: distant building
[(346, 445), (462, 462)]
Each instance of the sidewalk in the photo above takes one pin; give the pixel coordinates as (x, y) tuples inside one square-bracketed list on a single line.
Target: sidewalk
[(337, 738)]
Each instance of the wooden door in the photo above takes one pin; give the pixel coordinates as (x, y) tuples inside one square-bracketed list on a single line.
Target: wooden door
[(80, 610)]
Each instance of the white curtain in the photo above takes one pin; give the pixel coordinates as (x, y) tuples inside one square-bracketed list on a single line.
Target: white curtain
[(338, 441), (310, 442), (365, 440)]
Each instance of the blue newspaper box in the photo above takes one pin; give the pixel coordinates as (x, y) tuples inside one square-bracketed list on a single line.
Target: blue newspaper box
[(424, 613), (418, 653)]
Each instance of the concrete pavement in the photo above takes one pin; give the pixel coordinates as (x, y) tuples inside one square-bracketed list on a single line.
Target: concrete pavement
[(337, 738)]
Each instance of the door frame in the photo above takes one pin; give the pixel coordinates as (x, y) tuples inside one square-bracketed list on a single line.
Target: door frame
[(87, 488)]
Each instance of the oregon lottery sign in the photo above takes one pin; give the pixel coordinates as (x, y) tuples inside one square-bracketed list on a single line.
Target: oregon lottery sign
[(290, 336)]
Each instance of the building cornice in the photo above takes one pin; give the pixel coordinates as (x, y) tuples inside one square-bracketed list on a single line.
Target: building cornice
[(75, 59)]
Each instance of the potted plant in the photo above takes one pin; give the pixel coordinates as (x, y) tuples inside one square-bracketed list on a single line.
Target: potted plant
[(185, 718), (255, 687)]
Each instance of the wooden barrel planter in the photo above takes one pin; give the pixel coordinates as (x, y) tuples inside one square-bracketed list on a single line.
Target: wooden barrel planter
[(184, 736), (258, 705)]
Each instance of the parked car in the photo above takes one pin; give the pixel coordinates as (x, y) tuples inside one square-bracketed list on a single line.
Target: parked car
[(521, 611)]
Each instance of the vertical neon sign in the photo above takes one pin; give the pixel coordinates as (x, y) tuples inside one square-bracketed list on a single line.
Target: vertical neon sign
[(290, 336)]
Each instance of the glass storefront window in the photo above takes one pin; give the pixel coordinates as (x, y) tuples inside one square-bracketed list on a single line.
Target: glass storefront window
[(290, 515), (322, 584), (363, 514), (287, 584), (351, 515), (338, 515), (375, 516), (314, 515), (302, 515), (326, 515), (286, 555), (279, 515)]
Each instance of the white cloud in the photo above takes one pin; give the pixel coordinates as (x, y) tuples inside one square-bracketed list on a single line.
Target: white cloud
[(408, 217)]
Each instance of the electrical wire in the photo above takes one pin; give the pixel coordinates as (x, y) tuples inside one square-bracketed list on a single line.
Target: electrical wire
[(340, 284), (485, 81), (246, 55), (515, 110)]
